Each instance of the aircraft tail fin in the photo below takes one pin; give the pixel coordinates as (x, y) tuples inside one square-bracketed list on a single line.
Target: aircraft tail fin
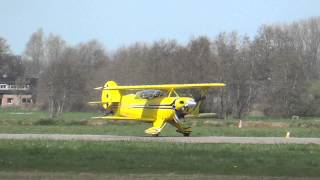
[(110, 97)]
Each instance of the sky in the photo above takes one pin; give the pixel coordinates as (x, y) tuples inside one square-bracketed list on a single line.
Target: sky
[(117, 23)]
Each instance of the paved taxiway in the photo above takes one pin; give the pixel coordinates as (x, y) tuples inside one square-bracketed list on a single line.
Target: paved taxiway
[(203, 139)]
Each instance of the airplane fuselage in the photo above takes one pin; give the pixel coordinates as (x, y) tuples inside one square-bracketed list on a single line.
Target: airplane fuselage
[(148, 109)]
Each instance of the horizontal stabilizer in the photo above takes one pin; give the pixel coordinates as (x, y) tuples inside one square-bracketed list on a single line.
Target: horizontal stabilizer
[(97, 102)]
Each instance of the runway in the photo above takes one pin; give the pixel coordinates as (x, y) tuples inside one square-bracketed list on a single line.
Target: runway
[(203, 139)]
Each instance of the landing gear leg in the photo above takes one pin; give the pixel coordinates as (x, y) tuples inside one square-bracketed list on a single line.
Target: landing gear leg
[(155, 130), (185, 131)]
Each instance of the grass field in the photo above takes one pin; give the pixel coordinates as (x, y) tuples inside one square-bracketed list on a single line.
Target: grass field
[(151, 160), (103, 176), (26, 121), (31, 121), (157, 158)]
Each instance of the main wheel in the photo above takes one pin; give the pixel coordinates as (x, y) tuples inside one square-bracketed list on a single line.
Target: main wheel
[(186, 134)]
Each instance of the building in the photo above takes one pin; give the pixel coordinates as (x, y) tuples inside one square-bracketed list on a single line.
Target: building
[(16, 94)]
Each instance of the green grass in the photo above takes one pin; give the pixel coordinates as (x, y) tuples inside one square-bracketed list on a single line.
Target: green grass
[(33, 121), (152, 157), (269, 118), (138, 130), (16, 116), (106, 176)]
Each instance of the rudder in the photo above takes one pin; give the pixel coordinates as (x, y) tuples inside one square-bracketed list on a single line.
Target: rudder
[(109, 97)]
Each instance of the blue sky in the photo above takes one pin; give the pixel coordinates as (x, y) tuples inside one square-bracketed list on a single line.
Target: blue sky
[(122, 22)]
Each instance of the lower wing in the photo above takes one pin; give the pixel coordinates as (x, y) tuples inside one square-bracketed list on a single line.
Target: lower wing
[(120, 118)]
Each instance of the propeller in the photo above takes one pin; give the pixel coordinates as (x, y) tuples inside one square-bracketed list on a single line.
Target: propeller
[(183, 106)]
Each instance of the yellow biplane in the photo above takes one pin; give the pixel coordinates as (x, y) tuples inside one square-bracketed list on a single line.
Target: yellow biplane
[(156, 104)]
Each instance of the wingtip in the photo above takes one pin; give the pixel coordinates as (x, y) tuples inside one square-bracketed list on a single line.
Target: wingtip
[(98, 88), (94, 103), (96, 117), (97, 103)]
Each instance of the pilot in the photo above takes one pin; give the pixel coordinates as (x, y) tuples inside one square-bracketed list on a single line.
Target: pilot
[(156, 93)]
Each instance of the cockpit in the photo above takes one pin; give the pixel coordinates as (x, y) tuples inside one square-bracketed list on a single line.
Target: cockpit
[(150, 94)]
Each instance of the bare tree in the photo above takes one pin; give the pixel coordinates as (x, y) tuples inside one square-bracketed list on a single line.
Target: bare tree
[(34, 52), (63, 82), (4, 47), (276, 69), (54, 48)]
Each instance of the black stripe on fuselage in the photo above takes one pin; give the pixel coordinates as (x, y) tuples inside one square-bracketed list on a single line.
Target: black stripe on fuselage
[(152, 106)]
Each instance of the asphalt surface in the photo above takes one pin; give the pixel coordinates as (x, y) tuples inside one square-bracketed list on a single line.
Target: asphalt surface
[(203, 139)]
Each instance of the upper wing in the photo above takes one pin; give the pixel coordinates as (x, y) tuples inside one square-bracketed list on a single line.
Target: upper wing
[(164, 86)]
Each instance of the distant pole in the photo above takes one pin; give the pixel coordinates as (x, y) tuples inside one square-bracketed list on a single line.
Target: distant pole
[(288, 134), (240, 124)]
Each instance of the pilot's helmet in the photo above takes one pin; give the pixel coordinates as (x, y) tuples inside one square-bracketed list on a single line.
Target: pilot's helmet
[(157, 93)]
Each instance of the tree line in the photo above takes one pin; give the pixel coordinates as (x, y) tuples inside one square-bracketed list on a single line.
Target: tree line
[(276, 73)]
